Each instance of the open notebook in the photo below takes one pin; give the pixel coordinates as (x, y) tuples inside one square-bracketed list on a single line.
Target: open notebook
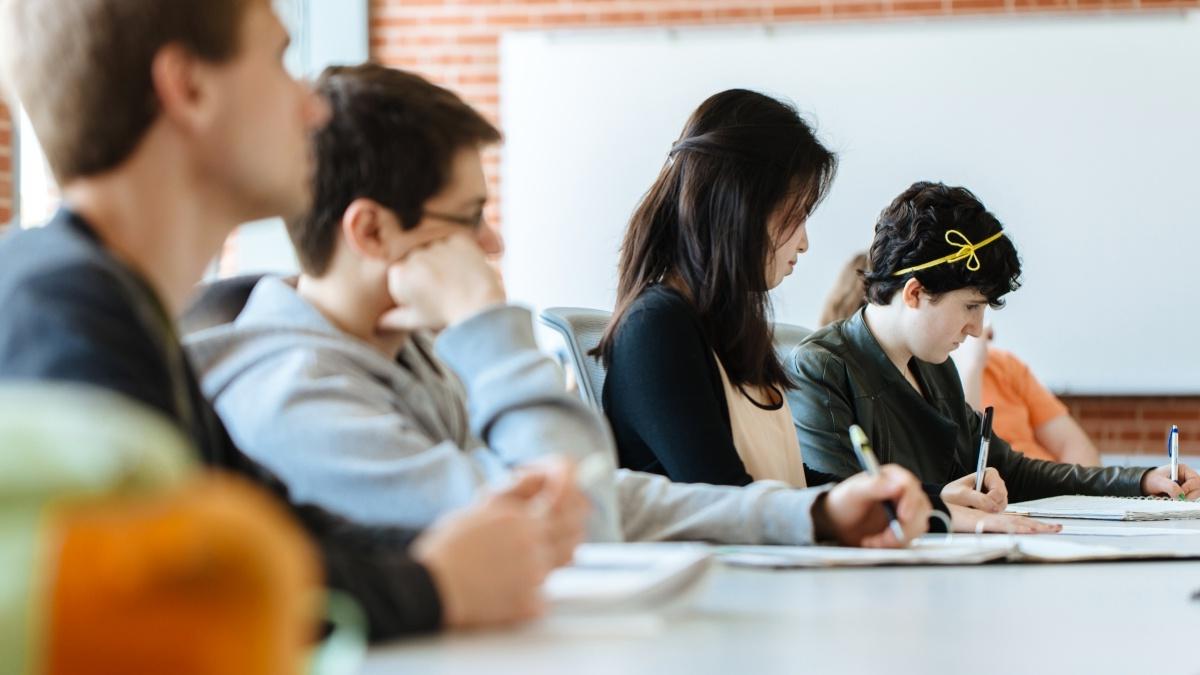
[(628, 577), (1108, 508), (959, 550)]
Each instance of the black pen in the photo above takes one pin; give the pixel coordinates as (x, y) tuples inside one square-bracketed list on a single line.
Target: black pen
[(985, 441)]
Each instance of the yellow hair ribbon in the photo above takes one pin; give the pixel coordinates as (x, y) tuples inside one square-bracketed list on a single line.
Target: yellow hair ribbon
[(966, 251)]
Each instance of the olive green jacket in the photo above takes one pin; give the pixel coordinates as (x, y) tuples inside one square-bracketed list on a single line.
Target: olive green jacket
[(842, 376)]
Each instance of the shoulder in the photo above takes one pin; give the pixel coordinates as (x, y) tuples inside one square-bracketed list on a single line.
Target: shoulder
[(59, 269), (657, 313), (1005, 362), (823, 348)]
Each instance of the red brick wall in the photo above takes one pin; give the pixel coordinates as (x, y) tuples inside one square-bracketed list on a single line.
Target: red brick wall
[(1138, 425), (6, 166)]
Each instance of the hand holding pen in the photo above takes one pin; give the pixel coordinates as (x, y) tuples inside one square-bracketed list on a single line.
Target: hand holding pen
[(1173, 480), (881, 507)]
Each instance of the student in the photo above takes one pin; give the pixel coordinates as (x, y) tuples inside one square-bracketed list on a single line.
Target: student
[(1027, 415), (939, 258), (337, 382), (694, 389), (166, 123), (848, 294)]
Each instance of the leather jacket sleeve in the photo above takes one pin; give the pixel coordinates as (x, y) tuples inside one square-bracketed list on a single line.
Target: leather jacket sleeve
[(1034, 478)]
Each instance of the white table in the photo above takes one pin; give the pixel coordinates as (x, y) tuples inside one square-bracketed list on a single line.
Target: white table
[(1133, 617)]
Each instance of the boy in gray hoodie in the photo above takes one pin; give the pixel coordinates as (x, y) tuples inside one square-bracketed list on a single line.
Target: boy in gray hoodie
[(392, 381)]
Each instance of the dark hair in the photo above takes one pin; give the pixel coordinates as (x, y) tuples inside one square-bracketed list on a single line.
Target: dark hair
[(912, 231), (703, 224), (82, 68), (849, 292), (391, 138)]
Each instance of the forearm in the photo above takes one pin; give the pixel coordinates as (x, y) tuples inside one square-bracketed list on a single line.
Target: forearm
[(1067, 441), (1033, 479), (766, 512), (372, 565), (517, 400)]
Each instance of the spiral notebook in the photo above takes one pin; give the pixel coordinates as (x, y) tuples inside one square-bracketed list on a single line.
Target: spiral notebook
[(1108, 508)]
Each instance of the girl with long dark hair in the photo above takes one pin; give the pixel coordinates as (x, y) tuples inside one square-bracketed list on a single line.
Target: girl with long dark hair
[(694, 388)]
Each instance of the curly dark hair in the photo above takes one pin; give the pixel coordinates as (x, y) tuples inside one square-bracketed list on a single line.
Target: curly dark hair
[(392, 138), (912, 231)]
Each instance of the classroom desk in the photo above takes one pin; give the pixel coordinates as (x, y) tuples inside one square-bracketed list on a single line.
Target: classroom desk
[(1133, 617)]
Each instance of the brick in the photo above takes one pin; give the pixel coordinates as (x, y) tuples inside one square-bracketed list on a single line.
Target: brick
[(675, 16), (918, 7), (795, 12), (739, 13), (858, 10), (976, 5), (618, 17)]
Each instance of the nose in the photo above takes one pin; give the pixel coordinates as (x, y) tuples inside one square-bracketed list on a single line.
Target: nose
[(802, 242), (316, 109), (489, 239), (974, 327)]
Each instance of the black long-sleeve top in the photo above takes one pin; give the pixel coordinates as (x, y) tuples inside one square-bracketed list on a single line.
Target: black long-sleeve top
[(664, 397), (73, 312)]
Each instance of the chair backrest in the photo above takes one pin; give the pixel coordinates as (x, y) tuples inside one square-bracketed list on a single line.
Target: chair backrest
[(582, 328), (787, 337), (217, 302)]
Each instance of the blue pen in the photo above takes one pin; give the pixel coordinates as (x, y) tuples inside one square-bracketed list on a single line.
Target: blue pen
[(1173, 452), (866, 459)]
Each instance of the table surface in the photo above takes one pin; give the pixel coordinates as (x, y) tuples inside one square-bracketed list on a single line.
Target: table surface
[(1130, 617)]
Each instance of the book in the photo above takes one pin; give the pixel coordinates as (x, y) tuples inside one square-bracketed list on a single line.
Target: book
[(1107, 508), (628, 577)]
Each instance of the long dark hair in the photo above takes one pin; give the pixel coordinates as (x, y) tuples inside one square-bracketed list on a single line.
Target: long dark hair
[(741, 158)]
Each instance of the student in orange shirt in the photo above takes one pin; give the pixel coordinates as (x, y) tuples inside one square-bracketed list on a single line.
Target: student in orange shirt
[(1027, 415)]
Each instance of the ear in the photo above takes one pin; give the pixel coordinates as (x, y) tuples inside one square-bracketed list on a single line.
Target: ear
[(365, 226), (183, 86), (911, 293)]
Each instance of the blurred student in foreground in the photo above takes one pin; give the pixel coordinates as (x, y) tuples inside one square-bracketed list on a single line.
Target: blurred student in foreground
[(167, 123)]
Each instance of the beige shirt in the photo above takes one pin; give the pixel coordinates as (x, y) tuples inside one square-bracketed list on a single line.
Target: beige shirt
[(765, 439)]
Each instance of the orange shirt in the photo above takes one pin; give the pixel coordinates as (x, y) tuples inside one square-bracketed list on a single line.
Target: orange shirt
[(1022, 404)]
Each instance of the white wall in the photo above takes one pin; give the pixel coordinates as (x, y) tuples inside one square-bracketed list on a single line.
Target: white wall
[(1080, 134), (324, 32)]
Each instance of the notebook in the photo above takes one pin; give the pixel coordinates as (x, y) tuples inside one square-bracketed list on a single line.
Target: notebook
[(628, 577), (1108, 508), (959, 550)]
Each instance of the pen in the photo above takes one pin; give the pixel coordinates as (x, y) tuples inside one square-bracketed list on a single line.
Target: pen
[(985, 441), (1173, 452), (866, 459)]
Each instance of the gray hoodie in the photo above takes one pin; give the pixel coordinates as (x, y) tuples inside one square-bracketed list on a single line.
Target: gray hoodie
[(402, 441)]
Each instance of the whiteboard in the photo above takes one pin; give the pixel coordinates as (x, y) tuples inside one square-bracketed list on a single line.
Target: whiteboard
[(1081, 134)]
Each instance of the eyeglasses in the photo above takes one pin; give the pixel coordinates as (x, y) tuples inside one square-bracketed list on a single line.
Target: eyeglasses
[(474, 222)]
